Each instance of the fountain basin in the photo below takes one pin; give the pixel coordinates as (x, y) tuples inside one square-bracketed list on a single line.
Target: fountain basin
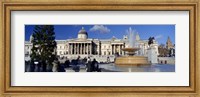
[(132, 60), (130, 49)]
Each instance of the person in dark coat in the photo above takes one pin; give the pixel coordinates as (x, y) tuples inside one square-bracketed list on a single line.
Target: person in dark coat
[(67, 63), (89, 65), (95, 65)]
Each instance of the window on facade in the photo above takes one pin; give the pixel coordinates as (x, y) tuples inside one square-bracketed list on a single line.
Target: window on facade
[(105, 53), (60, 52), (104, 46)]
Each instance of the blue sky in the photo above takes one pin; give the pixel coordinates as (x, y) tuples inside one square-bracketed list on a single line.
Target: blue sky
[(62, 32)]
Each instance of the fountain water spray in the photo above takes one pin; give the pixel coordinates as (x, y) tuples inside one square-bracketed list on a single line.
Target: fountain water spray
[(131, 59), (131, 37)]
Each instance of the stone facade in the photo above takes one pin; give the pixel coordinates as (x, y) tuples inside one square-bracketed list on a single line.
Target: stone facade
[(166, 60), (99, 49)]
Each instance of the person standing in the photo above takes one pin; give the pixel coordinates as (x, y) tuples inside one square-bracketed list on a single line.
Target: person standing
[(95, 65), (67, 63), (89, 65)]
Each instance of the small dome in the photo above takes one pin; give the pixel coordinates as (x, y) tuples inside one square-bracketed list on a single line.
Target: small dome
[(82, 34), (31, 38), (82, 31)]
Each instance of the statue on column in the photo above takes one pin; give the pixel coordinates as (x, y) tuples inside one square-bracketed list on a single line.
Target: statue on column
[(150, 40)]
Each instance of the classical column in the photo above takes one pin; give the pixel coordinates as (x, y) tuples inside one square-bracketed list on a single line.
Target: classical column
[(83, 48), (111, 49), (87, 47), (90, 48), (123, 47), (114, 49), (80, 48), (99, 49), (119, 49), (74, 48), (69, 48), (77, 48)]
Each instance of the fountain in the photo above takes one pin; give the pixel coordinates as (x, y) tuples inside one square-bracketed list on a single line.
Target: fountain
[(131, 59)]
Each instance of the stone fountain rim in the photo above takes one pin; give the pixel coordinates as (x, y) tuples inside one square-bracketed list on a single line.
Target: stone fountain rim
[(129, 49)]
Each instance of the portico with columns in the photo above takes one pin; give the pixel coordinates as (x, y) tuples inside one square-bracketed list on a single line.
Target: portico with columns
[(80, 48), (117, 48)]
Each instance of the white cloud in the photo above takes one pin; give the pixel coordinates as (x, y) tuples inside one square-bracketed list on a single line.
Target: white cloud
[(100, 29), (158, 37)]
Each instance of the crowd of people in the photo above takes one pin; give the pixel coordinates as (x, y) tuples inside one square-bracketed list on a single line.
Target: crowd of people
[(91, 65), (57, 66)]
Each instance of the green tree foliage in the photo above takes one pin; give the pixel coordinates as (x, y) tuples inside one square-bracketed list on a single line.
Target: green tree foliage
[(44, 45)]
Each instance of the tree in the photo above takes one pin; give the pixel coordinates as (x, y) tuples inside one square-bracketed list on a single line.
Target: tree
[(44, 45)]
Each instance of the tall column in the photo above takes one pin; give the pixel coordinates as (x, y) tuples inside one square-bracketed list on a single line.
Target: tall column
[(99, 49), (69, 48), (123, 47), (119, 49), (87, 48), (83, 48), (90, 48), (74, 48), (80, 48), (114, 49)]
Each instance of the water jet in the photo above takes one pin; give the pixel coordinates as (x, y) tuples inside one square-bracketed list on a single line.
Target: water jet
[(131, 59)]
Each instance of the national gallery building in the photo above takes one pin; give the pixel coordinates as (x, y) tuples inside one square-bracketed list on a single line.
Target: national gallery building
[(100, 49)]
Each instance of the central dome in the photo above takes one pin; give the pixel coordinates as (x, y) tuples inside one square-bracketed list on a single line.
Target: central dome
[(82, 31), (82, 34)]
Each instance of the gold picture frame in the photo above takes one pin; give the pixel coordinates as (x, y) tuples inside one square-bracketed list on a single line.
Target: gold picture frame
[(119, 5)]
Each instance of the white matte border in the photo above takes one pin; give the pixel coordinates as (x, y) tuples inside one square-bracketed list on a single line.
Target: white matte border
[(178, 78)]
